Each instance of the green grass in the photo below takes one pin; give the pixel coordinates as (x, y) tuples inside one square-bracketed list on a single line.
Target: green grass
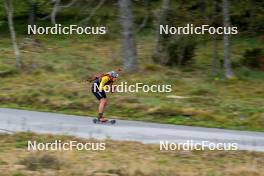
[(52, 74)]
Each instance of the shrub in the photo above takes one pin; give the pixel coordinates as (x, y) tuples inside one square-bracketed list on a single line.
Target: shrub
[(251, 58), (35, 162), (202, 90), (18, 174), (152, 67), (181, 52), (3, 162), (9, 72)]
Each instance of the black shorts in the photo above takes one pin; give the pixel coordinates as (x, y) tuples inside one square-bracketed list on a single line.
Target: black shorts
[(98, 94)]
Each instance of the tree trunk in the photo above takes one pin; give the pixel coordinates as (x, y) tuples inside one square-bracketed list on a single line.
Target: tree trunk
[(9, 11), (214, 56), (212, 19), (157, 54), (86, 20), (252, 17), (227, 62), (129, 45), (54, 11), (32, 12), (56, 8), (146, 17)]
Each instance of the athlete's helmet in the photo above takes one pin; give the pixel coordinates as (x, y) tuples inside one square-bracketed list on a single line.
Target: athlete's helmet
[(114, 74)]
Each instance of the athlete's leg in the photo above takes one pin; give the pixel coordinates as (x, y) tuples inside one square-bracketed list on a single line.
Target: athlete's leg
[(102, 104), (101, 96), (101, 108)]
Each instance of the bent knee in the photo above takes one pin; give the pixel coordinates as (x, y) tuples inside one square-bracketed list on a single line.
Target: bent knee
[(103, 101)]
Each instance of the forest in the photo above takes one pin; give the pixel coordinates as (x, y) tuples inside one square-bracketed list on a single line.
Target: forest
[(217, 80)]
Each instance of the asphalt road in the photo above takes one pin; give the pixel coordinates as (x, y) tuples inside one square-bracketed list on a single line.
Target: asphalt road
[(12, 120)]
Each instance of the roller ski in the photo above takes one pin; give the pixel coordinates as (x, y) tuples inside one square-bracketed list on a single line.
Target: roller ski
[(103, 121)]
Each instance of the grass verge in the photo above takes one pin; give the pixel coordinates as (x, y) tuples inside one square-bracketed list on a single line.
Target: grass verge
[(121, 159)]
